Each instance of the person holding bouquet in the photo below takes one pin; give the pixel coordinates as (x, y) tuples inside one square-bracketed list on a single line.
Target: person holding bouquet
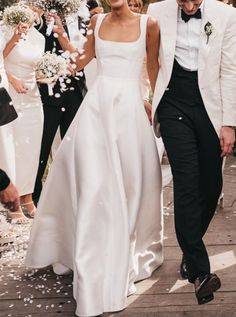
[(24, 48), (7, 149), (60, 107)]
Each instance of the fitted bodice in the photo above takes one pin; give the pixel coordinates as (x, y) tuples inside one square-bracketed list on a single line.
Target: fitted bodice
[(22, 59), (21, 63), (120, 59)]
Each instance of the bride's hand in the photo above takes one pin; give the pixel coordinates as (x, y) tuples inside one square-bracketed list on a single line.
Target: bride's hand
[(18, 84), (71, 69), (148, 109)]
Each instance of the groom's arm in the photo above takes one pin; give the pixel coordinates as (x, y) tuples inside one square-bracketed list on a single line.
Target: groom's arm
[(228, 85), (228, 72)]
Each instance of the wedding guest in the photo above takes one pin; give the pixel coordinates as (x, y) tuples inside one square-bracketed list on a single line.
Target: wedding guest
[(21, 56), (7, 148), (136, 5), (100, 211), (194, 109), (9, 198), (59, 109), (94, 7)]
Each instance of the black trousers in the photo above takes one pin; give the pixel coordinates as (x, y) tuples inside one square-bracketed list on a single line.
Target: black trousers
[(54, 117), (193, 149)]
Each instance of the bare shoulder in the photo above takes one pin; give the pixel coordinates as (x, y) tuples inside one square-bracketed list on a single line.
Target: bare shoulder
[(152, 24), (93, 21)]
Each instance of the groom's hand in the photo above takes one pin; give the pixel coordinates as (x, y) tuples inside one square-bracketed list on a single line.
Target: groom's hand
[(227, 139)]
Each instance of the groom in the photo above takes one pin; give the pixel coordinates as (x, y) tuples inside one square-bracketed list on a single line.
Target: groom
[(194, 109)]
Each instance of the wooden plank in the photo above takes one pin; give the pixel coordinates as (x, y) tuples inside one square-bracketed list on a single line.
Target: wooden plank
[(36, 289), (166, 303), (48, 305), (189, 313)]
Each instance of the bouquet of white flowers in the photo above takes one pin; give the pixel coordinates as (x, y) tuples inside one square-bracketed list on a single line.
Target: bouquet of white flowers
[(49, 68), (17, 13), (62, 7)]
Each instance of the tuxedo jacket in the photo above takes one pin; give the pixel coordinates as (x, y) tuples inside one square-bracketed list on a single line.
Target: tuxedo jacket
[(216, 59), (52, 45)]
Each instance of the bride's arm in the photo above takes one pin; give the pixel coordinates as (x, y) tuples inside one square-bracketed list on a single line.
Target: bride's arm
[(89, 49), (153, 44)]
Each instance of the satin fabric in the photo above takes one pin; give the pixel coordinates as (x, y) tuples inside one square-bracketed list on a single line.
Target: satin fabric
[(100, 211)]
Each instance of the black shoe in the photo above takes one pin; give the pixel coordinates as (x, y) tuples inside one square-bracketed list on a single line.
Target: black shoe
[(183, 269), (205, 287)]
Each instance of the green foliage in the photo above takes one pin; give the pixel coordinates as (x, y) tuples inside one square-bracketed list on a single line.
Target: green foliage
[(6, 3)]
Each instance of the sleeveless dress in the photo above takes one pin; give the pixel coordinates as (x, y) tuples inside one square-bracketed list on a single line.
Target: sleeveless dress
[(100, 211), (7, 148), (28, 127)]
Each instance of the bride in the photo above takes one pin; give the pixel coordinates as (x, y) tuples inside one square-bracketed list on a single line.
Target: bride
[(100, 212)]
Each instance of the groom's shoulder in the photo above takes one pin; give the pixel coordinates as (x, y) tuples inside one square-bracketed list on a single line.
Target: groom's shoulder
[(227, 15), (160, 4), (223, 9), (158, 7)]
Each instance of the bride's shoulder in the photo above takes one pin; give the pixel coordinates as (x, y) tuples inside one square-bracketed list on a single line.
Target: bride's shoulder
[(95, 18), (151, 23)]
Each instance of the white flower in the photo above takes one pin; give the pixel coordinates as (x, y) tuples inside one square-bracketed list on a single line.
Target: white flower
[(18, 13), (208, 28), (50, 65), (63, 7)]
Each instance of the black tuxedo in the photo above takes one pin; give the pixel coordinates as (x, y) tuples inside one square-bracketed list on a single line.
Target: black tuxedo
[(58, 112), (193, 150)]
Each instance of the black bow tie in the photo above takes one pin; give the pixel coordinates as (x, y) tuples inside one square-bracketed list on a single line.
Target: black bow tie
[(186, 17)]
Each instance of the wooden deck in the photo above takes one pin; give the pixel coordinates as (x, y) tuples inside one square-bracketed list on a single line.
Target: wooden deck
[(40, 293)]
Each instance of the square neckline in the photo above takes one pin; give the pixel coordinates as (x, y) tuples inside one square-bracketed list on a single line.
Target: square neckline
[(120, 42)]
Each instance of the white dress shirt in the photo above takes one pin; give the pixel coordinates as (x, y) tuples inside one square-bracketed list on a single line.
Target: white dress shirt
[(187, 41)]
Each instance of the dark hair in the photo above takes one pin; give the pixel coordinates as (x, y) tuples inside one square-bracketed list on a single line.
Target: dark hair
[(92, 4)]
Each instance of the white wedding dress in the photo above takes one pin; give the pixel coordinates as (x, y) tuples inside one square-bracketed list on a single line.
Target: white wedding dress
[(100, 211)]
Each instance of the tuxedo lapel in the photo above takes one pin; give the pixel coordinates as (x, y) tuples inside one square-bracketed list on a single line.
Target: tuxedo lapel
[(169, 32), (206, 43)]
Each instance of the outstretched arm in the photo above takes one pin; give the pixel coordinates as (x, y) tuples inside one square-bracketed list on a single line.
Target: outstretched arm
[(89, 49)]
